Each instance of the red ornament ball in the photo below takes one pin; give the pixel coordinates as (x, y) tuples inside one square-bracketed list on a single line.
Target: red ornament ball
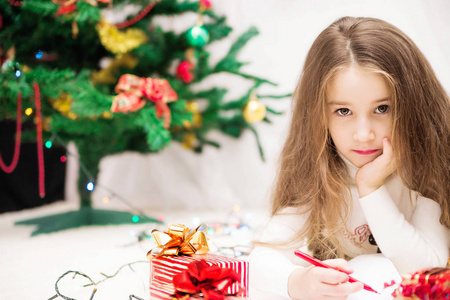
[(184, 71)]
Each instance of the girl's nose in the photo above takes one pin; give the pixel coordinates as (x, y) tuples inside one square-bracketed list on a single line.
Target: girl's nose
[(363, 132)]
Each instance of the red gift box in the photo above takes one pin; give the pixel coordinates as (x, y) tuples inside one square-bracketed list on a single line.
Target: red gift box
[(433, 284), (164, 268)]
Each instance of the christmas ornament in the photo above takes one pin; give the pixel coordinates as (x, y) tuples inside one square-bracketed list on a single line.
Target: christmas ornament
[(7, 58), (107, 75), (68, 6), (63, 104), (253, 110), (127, 102), (189, 140), (65, 9), (197, 36), (131, 89), (184, 71), (15, 3), (205, 5), (118, 42), (197, 118)]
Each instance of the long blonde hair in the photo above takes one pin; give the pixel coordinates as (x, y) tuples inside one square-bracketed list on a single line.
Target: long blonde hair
[(312, 175)]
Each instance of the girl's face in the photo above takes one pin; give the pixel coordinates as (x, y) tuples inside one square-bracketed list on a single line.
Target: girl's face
[(359, 114)]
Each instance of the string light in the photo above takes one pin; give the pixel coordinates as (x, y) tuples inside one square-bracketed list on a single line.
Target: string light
[(63, 159), (106, 200), (18, 73), (90, 186), (48, 144), (92, 282), (28, 111), (135, 218), (160, 218), (39, 54)]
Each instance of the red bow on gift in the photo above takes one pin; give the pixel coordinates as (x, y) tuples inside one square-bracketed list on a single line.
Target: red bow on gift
[(431, 283), (211, 281), (131, 89)]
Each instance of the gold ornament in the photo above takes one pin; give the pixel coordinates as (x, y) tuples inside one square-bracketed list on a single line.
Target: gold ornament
[(197, 118), (253, 110), (106, 115), (189, 140), (46, 123), (119, 42), (107, 75), (63, 104)]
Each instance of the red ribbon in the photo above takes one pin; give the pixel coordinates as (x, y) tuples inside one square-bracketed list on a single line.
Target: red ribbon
[(211, 281), (432, 283), (132, 88)]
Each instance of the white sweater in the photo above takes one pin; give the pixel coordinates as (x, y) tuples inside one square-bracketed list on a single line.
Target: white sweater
[(404, 224)]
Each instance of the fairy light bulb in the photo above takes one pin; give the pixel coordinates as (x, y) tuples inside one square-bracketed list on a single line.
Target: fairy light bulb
[(39, 54), (135, 219), (90, 186), (28, 111), (48, 144), (106, 200), (18, 73), (63, 159)]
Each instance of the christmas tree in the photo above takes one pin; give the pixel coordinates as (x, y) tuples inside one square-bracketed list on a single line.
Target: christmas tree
[(111, 88)]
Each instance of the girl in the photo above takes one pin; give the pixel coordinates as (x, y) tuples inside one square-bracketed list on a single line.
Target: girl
[(365, 167)]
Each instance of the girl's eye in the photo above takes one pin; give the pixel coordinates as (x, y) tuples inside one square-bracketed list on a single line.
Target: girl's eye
[(382, 109), (343, 111)]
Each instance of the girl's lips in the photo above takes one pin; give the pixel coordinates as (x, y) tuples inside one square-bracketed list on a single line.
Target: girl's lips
[(366, 152)]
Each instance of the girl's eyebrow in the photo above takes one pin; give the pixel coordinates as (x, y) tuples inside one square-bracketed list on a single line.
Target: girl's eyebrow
[(335, 102)]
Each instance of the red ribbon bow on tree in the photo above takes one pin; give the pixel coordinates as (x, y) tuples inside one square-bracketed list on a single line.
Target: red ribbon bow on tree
[(131, 89), (211, 281)]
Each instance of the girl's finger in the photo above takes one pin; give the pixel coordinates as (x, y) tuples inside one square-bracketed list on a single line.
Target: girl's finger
[(340, 264), (329, 276), (341, 290)]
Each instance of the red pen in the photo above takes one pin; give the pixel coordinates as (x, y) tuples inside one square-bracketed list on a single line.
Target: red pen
[(318, 263)]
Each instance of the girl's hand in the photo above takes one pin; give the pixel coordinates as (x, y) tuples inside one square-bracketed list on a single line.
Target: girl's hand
[(373, 175), (322, 283)]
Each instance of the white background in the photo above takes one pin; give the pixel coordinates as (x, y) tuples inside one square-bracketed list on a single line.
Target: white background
[(218, 178), (235, 174)]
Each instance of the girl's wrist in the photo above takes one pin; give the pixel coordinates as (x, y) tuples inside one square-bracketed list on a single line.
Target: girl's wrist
[(366, 190)]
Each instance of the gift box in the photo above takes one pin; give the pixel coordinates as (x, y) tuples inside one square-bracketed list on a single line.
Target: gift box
[(181, 265), (164, 268), (429, 284)]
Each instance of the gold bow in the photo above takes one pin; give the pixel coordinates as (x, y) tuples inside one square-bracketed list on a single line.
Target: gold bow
[(179, 240)]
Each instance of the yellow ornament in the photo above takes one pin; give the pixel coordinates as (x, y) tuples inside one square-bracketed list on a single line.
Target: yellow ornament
[(46, 123), (197, 118), (106, 115), (63, 104), (189, 141), (107, 75), (253, 110), (119, 42)]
